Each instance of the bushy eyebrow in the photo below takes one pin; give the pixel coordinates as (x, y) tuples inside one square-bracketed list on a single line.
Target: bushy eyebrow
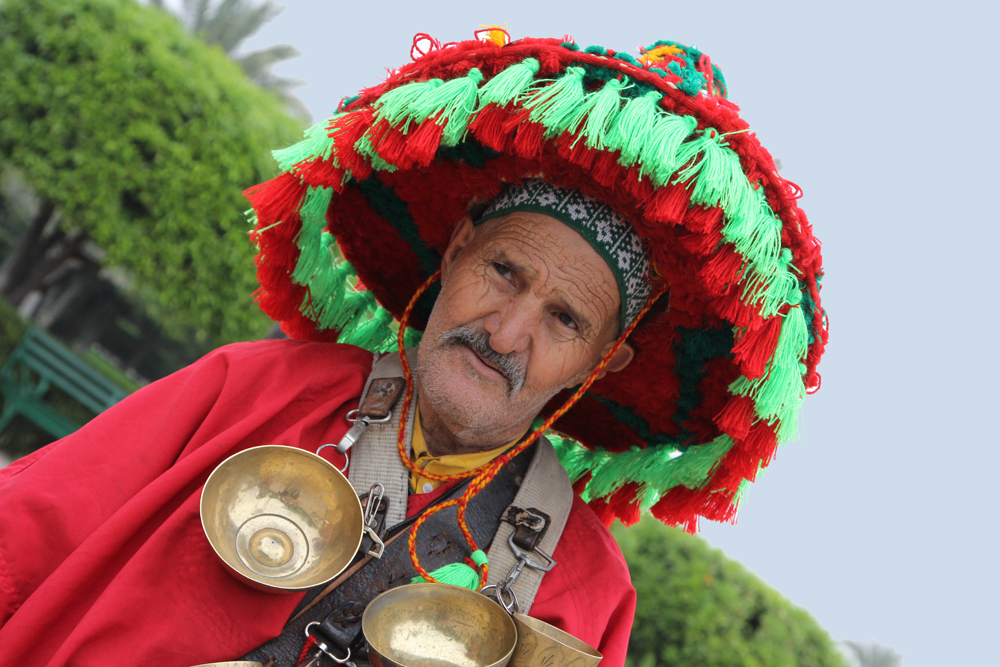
[(583, 324)]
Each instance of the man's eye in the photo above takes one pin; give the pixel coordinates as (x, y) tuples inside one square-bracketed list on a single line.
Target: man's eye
[(567, 320), (502, 269)]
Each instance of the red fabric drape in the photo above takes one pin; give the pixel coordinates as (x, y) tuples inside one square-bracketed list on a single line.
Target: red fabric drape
[(102, 557)]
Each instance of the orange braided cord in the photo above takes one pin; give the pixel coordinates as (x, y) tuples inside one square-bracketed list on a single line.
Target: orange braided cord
[(412, 542)]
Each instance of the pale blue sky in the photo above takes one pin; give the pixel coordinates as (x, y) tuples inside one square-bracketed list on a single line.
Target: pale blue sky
[(880, 520)]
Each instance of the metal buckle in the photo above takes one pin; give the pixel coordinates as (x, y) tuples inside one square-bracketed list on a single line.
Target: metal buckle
[(325, 649)]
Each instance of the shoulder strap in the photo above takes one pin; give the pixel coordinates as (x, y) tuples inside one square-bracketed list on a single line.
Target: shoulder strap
[(546, 488), (375, 458)]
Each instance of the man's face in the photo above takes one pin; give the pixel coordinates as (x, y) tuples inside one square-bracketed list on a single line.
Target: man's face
[(527, 308)]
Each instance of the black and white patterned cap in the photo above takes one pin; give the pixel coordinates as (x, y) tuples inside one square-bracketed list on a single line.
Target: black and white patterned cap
[(609, 232)]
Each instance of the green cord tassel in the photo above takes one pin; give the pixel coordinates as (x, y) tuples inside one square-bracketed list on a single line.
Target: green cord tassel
[(555, 105), (634, 127), (317, 144), (452, 102), (458, 574), (660, 154), (598, 114), (398, 104), (510, 84), (371, 333)]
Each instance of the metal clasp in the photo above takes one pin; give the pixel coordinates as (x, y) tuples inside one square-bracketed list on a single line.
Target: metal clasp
[(358, 428), (375, 495), (505, 589), (325, 650)]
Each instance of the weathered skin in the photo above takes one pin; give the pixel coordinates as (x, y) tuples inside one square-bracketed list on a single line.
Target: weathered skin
[(544, 297)]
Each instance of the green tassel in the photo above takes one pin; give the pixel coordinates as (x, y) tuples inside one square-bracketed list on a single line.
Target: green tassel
[(452, 102), (398, 104), (780, 388), (372, 333), (312, 253), (793, 341), (411, 337), (458, 574), (720, 179), (510, 84), (634, 127), (555, 105), (659, 157), (317, 144), (598, 114)]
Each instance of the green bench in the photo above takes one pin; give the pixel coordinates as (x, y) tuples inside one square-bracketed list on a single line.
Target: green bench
[(40, 362)]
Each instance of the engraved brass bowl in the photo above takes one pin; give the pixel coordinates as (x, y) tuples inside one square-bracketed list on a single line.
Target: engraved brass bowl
[(437, 625), (540, 644), (281, 518)]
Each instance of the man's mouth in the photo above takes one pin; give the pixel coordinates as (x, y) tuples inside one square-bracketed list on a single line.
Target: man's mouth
[(488, 365)]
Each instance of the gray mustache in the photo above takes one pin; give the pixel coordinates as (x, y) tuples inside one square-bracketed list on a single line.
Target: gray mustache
[(510, 366)]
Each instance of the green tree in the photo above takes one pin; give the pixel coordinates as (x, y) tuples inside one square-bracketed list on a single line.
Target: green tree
[(138, 138), (697, 608)]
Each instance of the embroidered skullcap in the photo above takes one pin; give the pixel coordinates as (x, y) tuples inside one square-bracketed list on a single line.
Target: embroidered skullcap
[(609, 232)]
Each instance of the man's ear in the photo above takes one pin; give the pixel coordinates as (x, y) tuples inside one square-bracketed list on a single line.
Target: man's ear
[(461, 236), (622, 358)]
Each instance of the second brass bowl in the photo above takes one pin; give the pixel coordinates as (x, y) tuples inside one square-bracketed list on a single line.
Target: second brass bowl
[(281, 518), (437, 625)]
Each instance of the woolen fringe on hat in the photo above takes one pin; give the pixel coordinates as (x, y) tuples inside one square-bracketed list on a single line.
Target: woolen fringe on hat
[(723, 361)]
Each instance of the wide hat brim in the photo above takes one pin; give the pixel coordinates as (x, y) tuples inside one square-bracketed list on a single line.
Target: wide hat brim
[(723, 361)]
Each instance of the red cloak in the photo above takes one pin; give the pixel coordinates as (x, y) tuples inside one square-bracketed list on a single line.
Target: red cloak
[(102, 557)]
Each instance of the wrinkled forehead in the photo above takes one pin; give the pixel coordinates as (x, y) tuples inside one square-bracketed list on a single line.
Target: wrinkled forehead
[(608, 232)]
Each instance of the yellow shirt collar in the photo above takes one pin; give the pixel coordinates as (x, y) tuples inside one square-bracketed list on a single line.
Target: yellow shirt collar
[(450, 464)]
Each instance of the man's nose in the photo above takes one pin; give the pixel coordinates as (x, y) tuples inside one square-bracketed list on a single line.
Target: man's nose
[(509, 328)]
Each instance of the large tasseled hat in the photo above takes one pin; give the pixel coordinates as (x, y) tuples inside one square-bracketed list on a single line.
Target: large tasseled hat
[(367, 202)]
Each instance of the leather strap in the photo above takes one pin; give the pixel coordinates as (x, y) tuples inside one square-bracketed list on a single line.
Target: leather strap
[(440, 542), (375, 457)]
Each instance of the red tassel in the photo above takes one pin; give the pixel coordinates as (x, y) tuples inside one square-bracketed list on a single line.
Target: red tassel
[(529, 140), (668, 204), (678, 507), (489, 128), (321, 174), (350, 129), (737, 417), (755, 347), (606, 169), (604, 513), (579, 154), (275, 200), (624, 504), (580, 485), (722, 270), (732, 309), (421, 145)]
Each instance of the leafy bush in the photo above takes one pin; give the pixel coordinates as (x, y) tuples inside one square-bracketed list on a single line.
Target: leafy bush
[(697, 608), (144, 138)]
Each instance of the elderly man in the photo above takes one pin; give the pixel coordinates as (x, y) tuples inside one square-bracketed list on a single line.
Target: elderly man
[(561, 195)]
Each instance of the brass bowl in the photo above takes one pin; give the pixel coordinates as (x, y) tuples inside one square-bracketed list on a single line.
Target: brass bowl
[(540, 644), (437, 625), (281, 518)]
